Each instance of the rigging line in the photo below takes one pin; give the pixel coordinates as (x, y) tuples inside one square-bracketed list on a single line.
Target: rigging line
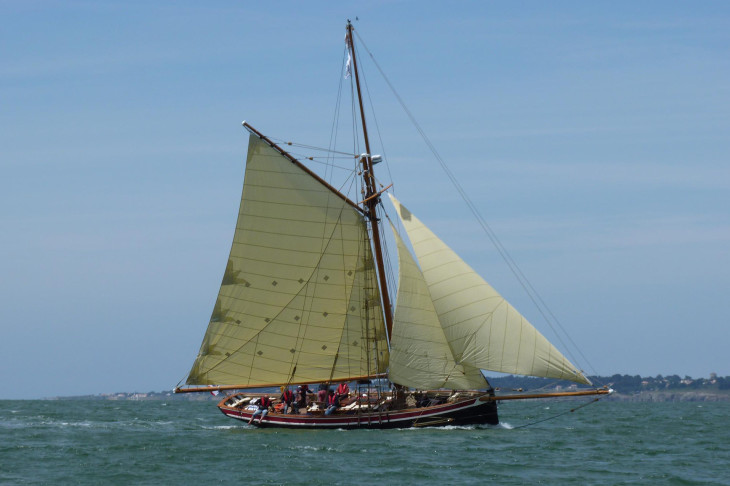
[(347, 297), (351, 178), (312, 147), (330, 154), (545, 386), (334, 131), (353, 118), (302, 155), (521, 278), (594, 400), (299, 156), (181, 380), (375, 118), (352, 172)]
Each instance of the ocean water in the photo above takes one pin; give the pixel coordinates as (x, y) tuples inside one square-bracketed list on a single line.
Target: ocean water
[(181, 442)]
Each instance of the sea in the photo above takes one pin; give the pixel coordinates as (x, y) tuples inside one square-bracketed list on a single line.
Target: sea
[(191, 442)]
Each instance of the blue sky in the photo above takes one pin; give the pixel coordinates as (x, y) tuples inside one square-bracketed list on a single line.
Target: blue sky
[(593, 137)]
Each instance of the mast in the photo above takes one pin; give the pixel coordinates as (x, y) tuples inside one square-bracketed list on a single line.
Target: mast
[(371, 196)]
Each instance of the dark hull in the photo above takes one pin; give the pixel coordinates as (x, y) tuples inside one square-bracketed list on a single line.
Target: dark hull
[(464, 412)]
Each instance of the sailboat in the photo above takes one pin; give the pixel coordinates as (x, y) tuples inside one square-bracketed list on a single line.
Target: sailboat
[(305, 300)]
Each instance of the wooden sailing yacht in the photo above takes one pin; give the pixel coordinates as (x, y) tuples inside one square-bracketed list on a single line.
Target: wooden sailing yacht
[(304, 300)]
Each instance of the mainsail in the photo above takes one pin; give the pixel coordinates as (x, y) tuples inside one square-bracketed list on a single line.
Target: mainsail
[(482, 329), (299, 301)]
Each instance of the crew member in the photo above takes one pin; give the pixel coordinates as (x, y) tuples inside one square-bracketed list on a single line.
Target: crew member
[(287, 397), (322, 393), (263, 409), (333, 403), (343, 390), (300, 402)]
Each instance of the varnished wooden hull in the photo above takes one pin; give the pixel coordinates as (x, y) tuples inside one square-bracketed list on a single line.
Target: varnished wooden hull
[(470, 411)]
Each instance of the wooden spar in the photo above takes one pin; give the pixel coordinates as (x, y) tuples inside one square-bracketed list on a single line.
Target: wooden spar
[(600, 391), (370, 201), (301, 166), (211, 388), (376, 195)]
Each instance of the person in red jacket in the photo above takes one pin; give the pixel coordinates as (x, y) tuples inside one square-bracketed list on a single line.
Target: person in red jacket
[(287, 397), (343, 390), (333, 403), (263, 408)]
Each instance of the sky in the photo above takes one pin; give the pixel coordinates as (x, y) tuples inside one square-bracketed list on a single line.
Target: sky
[(592, 137)]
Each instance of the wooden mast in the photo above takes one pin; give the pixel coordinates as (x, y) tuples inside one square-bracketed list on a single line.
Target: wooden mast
[(372, 197)]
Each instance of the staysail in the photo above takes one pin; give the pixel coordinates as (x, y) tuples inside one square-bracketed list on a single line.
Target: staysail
[(420, 356), (482, 329), (299, 301)]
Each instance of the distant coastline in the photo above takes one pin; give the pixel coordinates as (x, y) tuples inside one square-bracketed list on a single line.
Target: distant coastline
[(628, 388), (665, 396)]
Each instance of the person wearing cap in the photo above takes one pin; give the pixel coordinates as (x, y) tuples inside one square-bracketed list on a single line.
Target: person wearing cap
[(263, 409)]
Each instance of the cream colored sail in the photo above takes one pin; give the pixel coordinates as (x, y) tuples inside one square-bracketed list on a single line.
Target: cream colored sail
[(482, 328), (420, 356), (299, 301)]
